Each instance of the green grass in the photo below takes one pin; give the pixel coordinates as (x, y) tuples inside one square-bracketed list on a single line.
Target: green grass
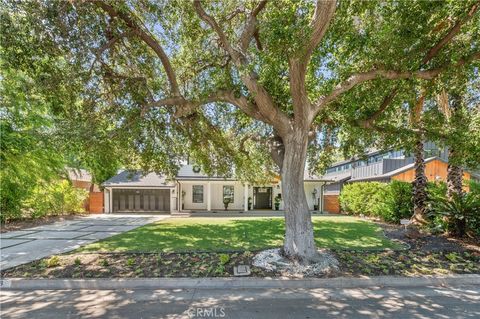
[(220, 234)]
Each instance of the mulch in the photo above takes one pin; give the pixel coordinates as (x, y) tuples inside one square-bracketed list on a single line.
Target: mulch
[(426, 254), (34, 222)]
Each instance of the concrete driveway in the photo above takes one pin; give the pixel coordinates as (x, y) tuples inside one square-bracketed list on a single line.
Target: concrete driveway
[(23, 246)]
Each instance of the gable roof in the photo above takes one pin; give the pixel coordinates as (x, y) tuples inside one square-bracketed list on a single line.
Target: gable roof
[(79, 174), (137, 179), (190, 172)]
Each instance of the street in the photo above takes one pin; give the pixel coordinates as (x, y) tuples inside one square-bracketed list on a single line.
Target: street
[(407, 302)]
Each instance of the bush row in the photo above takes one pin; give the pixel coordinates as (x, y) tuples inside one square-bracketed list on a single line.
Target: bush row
[(389, 201), (54, 198), (394, 201)]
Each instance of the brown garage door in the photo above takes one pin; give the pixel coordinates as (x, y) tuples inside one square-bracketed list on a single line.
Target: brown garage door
[(141, 200)]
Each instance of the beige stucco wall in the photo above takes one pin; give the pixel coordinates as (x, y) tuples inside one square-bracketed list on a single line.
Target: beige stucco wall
[(216, 188)]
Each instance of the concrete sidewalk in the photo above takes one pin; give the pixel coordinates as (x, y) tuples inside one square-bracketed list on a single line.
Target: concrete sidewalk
[(23, 246)]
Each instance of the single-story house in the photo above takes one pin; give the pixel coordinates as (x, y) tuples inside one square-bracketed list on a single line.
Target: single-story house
[(192, 190)]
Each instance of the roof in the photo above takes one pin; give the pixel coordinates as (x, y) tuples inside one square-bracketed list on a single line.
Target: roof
[(79, 174), (193, 172), (186, 173), (137, 179), (337, 177)]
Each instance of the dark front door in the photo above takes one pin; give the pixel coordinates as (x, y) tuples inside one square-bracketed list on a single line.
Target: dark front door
[(262, 197)]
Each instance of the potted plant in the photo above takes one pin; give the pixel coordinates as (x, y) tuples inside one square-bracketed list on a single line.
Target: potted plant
[(226, 201), (278, 199), (249, 203)]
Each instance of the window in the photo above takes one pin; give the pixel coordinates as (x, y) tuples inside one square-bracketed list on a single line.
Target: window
[(197, 193), (228, 192)]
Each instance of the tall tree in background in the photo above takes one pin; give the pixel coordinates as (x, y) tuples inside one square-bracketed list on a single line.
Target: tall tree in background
[(420, 181), (249, 82)]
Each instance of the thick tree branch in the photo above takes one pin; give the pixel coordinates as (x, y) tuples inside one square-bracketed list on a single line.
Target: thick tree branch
[(302, 109), (452, 33), (251, 27), (185, 107), (383, 107), (147, 38), (359, 78), (218, 30), (267, 109), (324, 12), (110, 43)]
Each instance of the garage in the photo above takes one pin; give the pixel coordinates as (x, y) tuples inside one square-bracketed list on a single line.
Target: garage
[(135, 192), (141, 200)]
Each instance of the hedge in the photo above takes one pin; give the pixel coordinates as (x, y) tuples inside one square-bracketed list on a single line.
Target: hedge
[(389, 201)]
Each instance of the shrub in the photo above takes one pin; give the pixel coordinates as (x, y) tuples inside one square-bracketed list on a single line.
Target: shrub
[(474, 187), (436, 189), (56, 198), (53, 261), (398, 202), (224, 258), (363, 198), (391, 202), (458, 215)]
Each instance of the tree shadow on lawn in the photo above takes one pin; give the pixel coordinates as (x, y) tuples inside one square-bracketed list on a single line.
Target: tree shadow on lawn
[(238, 234)]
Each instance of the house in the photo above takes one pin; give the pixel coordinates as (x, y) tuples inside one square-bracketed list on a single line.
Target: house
[(81, 178), (384, 166), (192, 190)]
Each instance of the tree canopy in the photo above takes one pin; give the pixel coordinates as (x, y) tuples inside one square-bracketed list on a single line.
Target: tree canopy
[(124, 72)]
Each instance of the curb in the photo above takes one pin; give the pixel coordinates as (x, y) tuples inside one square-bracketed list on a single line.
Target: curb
[(226, 283)]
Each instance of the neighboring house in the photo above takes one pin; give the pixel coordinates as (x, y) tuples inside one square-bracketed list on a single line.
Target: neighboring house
[(81, 178), (191, 190), (383, 167)]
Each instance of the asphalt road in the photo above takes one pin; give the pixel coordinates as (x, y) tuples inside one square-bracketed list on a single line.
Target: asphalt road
[(425, 302)]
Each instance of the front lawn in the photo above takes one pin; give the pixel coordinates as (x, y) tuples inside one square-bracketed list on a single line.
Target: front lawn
[(225, 234)]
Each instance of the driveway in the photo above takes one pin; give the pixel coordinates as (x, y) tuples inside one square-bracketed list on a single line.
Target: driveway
[(23, 246)]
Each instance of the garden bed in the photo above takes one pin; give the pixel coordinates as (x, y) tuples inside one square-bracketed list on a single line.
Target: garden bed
[(137, 265), (34, 222)]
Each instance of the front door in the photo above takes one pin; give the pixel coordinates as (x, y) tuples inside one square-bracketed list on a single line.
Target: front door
[(262, 198)]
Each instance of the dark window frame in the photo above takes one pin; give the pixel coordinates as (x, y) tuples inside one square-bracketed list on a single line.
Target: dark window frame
[(195, 194)]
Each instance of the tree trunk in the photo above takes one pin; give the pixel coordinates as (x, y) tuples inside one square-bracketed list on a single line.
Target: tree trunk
[(454, 176), (419, 185), (299, 242)]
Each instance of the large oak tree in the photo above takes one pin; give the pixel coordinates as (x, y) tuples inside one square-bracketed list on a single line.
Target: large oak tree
[(230, 81)]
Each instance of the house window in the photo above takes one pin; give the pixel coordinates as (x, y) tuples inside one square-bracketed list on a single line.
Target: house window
[(228, 192), (197, 193)]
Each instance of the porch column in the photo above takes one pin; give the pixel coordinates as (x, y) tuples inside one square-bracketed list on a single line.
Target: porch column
[(245, 197), (110, 198), (180, 197), (209, 197), (321, 197)]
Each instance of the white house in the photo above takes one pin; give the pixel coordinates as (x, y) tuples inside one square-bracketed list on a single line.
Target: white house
[(191, 190)]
